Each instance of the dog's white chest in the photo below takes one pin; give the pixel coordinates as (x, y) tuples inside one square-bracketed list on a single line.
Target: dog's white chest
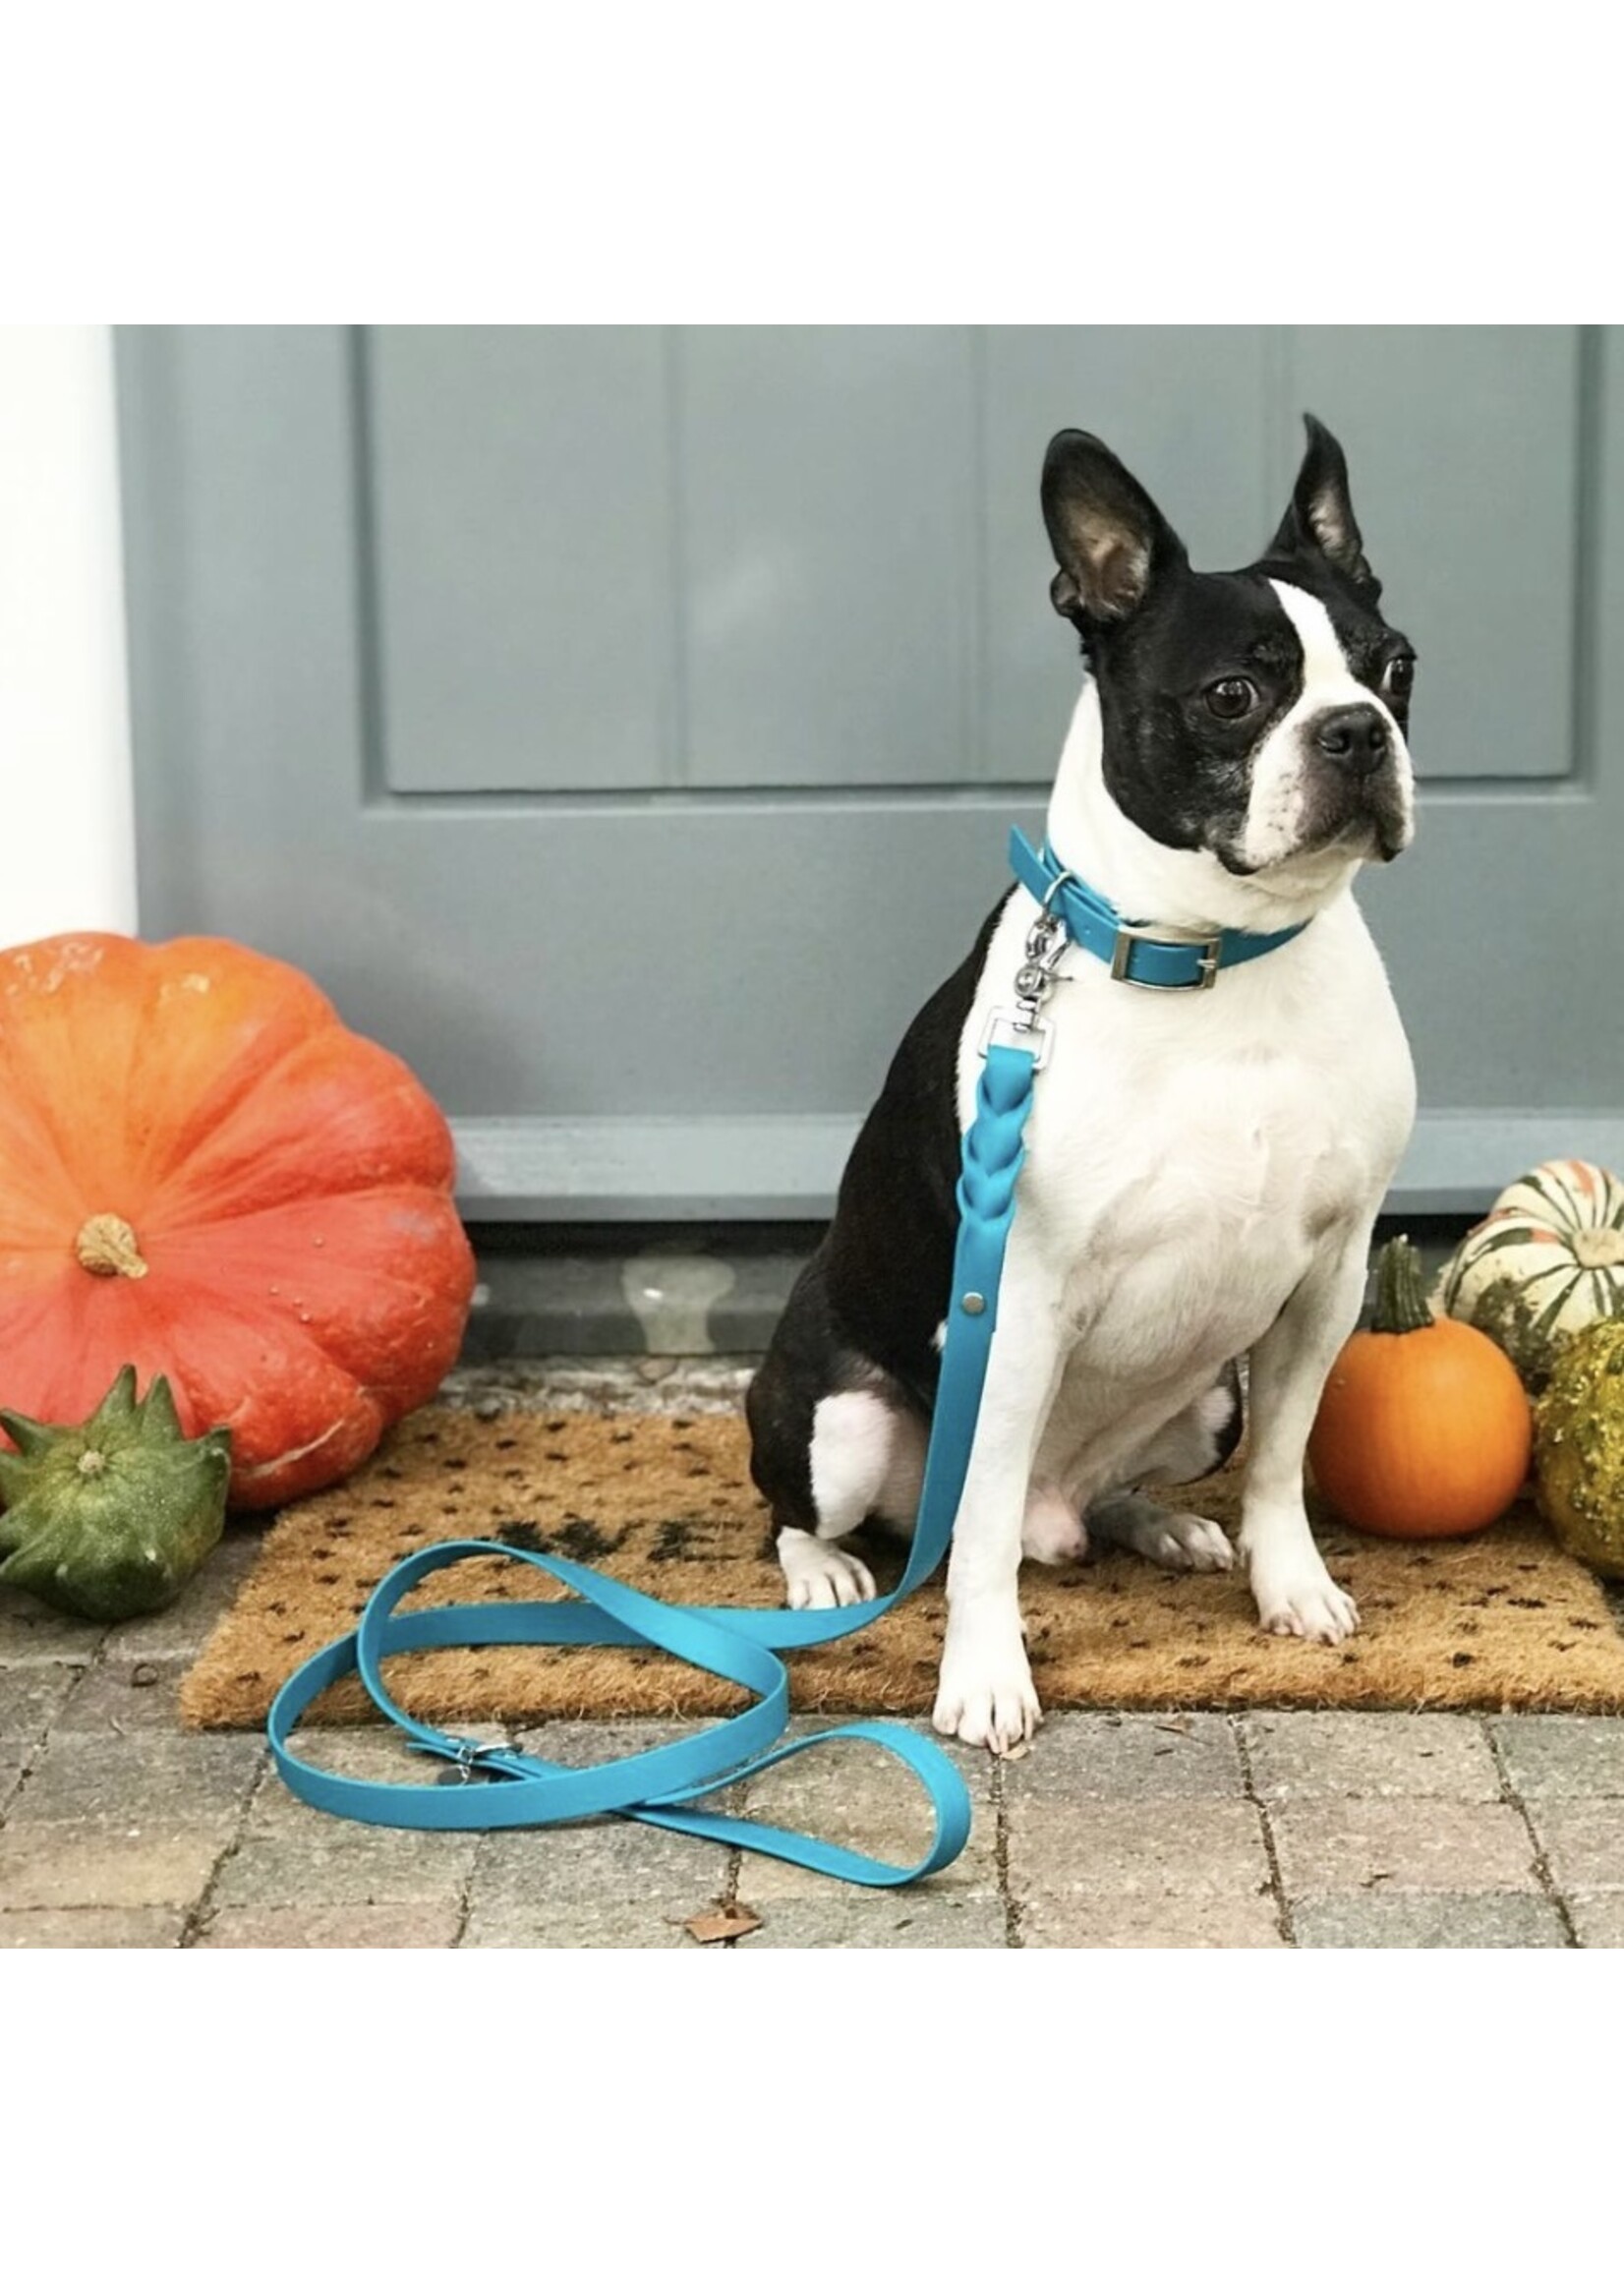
[(1188, 1157), (1198, 1213)]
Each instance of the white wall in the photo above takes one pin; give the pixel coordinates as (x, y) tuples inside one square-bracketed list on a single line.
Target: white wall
[(66, 846)]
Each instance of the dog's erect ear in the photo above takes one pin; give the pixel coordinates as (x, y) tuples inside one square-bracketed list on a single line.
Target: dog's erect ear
[(1107, 534), (1320, 517)]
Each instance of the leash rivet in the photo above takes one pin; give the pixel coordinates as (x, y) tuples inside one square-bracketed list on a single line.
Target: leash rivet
[(975, 1304)]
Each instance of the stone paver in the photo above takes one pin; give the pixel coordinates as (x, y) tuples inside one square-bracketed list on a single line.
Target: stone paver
[(1562, 1756), (425, 1926), (566, 1926), (1149, 1846), (1133, 1831), (28, 1632), (91, 1930), (1131, 1757), (1454, 1846), (118, 1698), (1240, 1918), (1130, 1831), (151, 1778), (663, 1876), (1369, 1756), (81, 1866), (1583, 1841), (880, 1921), (1598, 1921), (289, 1853), (607, 1883), (1406, 1921), (31, 1701)]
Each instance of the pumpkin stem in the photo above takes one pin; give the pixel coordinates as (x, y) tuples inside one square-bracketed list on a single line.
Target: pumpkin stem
[(1401, 1298), (107, 1246)]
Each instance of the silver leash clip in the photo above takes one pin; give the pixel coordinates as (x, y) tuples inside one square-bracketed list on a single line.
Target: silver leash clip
[(464, 1764), (1046, 942)]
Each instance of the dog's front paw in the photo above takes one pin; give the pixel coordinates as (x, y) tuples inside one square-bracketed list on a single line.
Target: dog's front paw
[(987, 1699), (1303, 1599), (819, 1576)]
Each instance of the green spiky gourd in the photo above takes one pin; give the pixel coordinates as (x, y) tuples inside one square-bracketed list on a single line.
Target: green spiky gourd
[(110, 1518), (1579, 1447)]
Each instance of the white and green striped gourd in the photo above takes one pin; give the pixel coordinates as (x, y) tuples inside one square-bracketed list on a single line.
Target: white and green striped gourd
[(1545, 1262)]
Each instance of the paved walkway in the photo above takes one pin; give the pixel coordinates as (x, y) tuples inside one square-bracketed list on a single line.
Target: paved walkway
[(1200, 1829)]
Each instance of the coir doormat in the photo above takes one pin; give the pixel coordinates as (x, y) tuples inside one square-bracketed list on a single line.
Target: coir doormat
[(666, 1503)]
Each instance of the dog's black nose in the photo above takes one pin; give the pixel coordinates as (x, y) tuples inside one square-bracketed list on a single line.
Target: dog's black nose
[(1353, 737)]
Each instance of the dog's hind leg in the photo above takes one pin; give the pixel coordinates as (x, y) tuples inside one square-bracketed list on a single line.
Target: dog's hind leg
[(864, 1458), (832, 1442), (1127, 1519), (1193, 1444), (850, 1456)]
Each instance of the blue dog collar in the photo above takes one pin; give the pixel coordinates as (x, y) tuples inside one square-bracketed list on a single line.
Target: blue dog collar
[(1140, 955)]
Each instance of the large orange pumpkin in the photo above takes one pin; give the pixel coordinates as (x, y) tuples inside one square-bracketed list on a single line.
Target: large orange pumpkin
[(204, 1173)]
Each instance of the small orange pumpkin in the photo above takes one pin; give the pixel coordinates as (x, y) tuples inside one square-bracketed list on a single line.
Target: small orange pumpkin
[(204, 1174), (1425, 1429)]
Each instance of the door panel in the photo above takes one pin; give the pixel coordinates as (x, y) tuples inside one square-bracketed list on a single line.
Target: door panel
[(520, 544), (626, 726), (830, 637)]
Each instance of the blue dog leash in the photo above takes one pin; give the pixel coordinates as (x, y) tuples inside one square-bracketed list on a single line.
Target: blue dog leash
[(662, 1785)]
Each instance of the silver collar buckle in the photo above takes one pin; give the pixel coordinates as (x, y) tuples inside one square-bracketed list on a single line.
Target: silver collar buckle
[(1211, 944)]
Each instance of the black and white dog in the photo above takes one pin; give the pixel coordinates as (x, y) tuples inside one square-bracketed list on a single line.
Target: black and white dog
[(1203, 1168)]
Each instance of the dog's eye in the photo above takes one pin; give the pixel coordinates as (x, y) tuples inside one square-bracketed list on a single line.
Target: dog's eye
[(1231, 698), (1399, 678)]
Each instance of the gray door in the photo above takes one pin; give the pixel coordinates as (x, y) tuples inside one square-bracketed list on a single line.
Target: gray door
[(625, 724)]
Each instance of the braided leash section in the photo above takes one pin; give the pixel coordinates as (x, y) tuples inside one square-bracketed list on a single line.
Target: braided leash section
[(993, 1151)]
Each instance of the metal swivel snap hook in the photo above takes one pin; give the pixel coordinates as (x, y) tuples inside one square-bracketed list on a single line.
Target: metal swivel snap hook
[(466, 1762)]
